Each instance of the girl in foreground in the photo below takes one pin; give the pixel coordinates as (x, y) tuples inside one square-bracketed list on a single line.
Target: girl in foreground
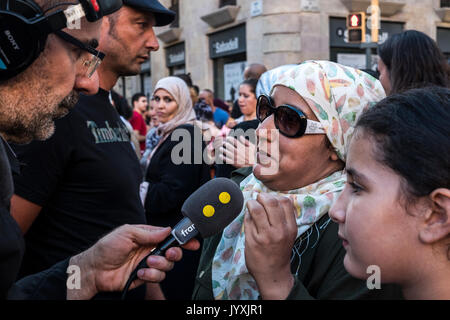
[(394, 211)]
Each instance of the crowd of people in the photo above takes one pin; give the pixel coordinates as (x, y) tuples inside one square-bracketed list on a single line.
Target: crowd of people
[(361, 178)]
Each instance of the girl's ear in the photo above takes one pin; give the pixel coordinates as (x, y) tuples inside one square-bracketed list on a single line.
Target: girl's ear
[(436, 221)]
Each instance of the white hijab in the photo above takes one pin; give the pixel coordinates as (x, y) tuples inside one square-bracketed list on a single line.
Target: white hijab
[(179, 91)]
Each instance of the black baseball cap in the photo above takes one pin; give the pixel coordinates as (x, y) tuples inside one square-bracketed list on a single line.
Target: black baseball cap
[(163, 16)]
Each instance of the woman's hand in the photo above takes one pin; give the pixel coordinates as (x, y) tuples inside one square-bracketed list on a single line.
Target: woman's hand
[(231, 123), (239, 152), (270, 233)]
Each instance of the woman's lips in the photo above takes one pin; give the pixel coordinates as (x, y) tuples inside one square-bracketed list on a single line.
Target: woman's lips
[(263, 158), (344, 241)]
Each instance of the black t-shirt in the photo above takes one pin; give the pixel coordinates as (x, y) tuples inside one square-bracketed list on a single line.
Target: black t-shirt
[(86, 177), (11, 241)]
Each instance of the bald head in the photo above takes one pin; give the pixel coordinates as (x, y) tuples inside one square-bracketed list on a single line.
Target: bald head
[(207, 95), (254, 71)]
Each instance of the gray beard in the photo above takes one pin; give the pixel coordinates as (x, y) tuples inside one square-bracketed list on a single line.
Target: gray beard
[(41, 127), (70, 101)]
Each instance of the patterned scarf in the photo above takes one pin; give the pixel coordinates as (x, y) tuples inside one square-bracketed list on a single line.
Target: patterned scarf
[(311, 202), (337, 95)]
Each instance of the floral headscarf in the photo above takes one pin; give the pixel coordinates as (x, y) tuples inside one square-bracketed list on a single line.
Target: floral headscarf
[(337, 95), (268, 78)]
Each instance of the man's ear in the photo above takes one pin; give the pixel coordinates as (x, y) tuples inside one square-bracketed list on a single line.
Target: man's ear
[(436, 223)]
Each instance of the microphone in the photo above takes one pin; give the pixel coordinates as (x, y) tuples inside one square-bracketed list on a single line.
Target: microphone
[(206, 212)]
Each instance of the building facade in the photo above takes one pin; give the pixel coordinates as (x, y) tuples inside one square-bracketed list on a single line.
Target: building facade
[(213, 40)]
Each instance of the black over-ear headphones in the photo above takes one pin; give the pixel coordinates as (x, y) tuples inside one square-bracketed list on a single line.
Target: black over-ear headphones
[(24, 29)]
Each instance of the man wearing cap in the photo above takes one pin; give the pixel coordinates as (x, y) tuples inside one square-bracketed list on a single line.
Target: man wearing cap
[(84, 181)]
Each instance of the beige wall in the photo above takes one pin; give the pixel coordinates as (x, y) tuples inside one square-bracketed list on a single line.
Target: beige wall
[(284, 33)]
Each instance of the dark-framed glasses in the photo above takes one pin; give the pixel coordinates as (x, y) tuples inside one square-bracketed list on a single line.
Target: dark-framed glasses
[(290, 121), (88, 65)]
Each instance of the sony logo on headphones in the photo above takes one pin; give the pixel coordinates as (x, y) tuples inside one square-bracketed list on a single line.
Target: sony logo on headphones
[(12, 40)]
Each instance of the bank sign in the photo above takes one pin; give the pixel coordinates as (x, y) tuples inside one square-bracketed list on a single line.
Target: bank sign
[(227, 42), (176, 55)]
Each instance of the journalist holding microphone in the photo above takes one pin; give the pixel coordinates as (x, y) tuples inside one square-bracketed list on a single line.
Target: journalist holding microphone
[(41, 63)]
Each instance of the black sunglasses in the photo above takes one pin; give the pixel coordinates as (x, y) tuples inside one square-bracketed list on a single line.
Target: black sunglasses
[(290, 121), (97, 56)]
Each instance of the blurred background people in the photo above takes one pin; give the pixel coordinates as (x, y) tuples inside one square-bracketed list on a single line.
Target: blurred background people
[(220, 116), (247, 100), (237, 149), (252, 71), (126, 113), (409, 60), (152, 138), (140, 106)]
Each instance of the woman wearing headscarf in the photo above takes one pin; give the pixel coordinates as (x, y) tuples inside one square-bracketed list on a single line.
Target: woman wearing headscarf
[(238, 150), (236, 147), (175, 170), (283, 244)]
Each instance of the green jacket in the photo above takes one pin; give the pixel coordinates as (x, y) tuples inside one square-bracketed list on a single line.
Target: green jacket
[(319, 275)]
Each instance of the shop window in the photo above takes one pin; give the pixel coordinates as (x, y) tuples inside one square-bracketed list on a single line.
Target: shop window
[(224, 3), (445, 3)]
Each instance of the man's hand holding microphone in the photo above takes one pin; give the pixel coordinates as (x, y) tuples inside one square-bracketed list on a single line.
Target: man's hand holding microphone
[(107, 265), (134, 254)]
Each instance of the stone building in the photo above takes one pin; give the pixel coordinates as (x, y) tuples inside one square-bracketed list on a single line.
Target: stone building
[(213, 40)]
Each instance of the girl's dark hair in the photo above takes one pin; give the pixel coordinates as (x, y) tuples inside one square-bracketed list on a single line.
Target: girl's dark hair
[(252, 84), (412, 135), (414, 60)]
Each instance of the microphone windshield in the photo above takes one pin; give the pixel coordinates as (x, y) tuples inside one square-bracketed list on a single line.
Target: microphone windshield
[(214, 206)]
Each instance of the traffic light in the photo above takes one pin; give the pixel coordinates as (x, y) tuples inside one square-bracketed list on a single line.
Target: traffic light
[(356, 26)]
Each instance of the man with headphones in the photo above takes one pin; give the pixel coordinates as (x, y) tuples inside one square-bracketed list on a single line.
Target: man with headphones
[(44, 64)]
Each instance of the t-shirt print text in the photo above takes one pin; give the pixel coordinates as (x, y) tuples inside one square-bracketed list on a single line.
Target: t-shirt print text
[(108, 133)]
